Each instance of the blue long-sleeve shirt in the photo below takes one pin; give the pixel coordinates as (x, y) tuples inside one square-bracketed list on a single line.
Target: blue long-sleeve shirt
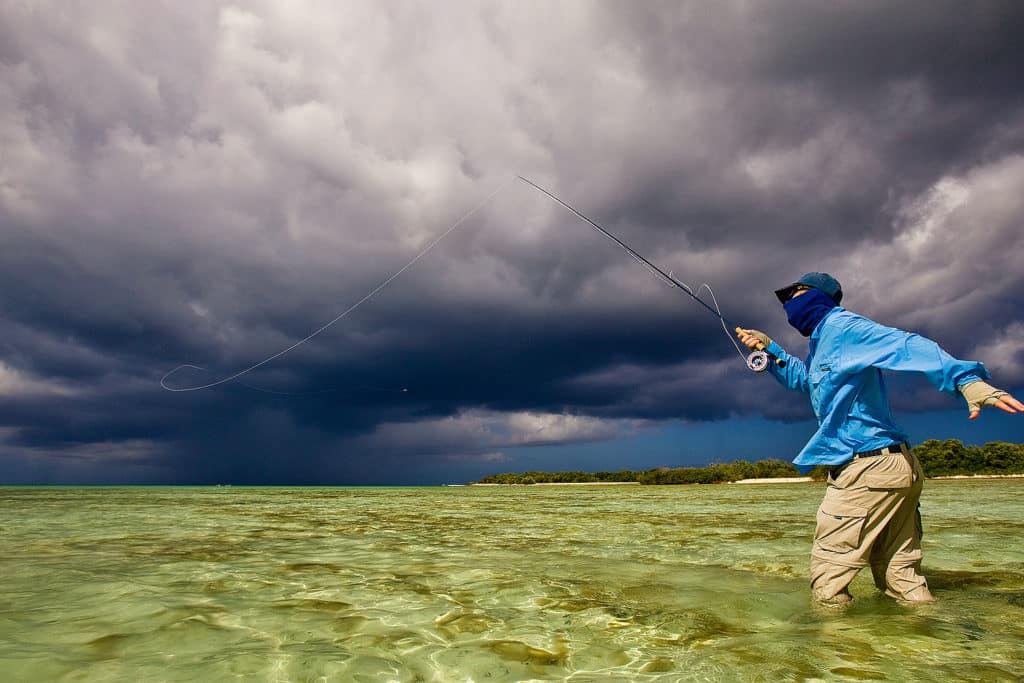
[(843, 376)]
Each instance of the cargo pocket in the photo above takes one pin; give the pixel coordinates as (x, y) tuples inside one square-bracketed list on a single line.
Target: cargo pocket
[(840, 526), (889, 480)]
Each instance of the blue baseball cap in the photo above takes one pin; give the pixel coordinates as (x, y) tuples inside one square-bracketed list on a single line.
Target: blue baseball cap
[(822, 281)]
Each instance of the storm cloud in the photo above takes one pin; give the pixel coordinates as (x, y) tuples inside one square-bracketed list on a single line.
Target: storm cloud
[(207, 183)]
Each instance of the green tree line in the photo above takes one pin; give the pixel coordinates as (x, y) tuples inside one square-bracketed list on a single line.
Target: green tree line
[(573, 477), (952, 457), (938, 458)]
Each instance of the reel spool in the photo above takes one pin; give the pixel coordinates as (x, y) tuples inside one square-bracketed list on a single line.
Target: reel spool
[(758, 361)]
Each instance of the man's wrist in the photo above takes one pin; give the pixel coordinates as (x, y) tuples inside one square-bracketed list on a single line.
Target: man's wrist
[(969, 378), (774, 349)]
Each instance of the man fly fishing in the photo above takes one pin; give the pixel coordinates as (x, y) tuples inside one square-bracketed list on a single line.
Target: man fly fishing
[(870, 513)]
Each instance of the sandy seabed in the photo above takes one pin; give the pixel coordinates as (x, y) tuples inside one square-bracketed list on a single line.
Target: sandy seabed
[(593, 583)]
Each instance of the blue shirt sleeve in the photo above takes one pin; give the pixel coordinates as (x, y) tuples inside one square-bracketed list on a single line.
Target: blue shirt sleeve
[(794, 375), (864, 343)]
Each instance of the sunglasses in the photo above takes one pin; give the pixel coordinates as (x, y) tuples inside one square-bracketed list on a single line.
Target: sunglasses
[(796, 290)]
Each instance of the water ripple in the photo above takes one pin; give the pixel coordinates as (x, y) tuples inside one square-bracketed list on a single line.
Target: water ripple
[(546, 583)]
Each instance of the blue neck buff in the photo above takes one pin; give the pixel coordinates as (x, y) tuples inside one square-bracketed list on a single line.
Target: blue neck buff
[(806, 311)]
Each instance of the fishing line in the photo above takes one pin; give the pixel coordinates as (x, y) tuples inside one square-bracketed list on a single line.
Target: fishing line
[(756, 361), (387, 281), (349, 391)]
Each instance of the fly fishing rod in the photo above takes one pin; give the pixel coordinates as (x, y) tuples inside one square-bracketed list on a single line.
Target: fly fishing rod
[(391, 278), (757, 360)]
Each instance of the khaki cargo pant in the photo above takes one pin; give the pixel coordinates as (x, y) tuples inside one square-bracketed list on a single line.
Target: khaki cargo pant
[(870, 516)]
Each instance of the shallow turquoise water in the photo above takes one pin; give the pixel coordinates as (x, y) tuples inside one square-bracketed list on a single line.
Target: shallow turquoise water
[(489, 584)]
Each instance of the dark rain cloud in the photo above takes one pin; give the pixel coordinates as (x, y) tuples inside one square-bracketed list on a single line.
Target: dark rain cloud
[(208, 184)]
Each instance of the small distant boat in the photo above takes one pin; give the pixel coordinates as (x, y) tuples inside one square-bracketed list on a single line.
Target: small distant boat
[(454, 484)]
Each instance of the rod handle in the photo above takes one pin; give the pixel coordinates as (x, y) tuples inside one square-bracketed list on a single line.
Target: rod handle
[(761, 347)]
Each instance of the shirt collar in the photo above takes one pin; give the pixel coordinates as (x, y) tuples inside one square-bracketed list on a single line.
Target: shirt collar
[(817, 328)]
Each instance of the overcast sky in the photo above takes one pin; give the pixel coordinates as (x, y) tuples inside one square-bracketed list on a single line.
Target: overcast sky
[(207, 183)]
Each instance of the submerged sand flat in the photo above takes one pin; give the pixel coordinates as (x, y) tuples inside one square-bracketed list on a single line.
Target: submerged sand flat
[(588, 583)]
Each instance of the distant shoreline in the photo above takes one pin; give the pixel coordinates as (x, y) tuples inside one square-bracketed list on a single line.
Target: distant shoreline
[(775, 480), (570, 483), (767, 480), (979, 476)]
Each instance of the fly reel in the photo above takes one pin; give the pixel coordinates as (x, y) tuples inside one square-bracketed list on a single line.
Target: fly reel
[(758, 361)]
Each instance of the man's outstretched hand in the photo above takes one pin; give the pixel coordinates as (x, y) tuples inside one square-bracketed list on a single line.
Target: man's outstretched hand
[(980, 394)]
